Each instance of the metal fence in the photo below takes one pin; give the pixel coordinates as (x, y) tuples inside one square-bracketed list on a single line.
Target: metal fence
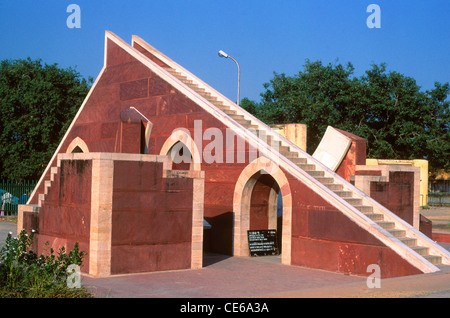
[(439, 199), (439, 193), (13, 193), (439, 186)]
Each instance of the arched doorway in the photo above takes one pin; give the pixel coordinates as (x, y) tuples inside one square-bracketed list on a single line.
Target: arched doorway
[(259, 190)]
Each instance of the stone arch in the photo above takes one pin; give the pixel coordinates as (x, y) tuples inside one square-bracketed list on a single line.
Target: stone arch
[(241, 205), (77, 145), (182, 135)]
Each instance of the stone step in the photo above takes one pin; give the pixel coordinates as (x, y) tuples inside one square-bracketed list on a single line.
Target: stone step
[(289, 154), (299, 160), (41, 199), (423, 251), (200, 91), (334, 186), (386, 225), (176, 74), (47, 185), (397, 233), (236, 116), (230, 112), (53, 172), (364, 208), (410, 242), (282, 148), (344, 194), (435, 260), (185, 80), (354, 201), (212, 100), (274, 142), (261, 134), (242, 121), (172, 71), (222, 106), (316, 173), (375, 216), (307, 167), (325, 180)]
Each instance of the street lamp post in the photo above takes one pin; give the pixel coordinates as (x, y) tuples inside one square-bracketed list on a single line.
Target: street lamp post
[(225, 55)]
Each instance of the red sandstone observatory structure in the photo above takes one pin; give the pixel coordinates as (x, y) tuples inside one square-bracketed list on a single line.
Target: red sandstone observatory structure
[(116, 185)]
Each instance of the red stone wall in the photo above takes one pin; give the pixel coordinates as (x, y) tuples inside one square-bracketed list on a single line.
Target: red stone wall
[(324, 238), (65, 217), (356, 155), (397, 195), (151, 219), (259, 203)]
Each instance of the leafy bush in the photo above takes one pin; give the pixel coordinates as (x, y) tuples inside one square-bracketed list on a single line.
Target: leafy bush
[(25, 274)]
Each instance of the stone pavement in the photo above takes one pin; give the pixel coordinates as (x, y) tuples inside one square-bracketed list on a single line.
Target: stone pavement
[(263, 277), (440, 216), (221, 276), (5, 228), (258, 277)]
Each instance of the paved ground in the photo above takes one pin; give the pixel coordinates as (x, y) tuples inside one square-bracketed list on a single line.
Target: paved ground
[(440, 216), (6, 227), (263, 277)]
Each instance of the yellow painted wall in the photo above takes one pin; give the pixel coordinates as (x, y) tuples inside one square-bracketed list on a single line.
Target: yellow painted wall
[(295, 133)]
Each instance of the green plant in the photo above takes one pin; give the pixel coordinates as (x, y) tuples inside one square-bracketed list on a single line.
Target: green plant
[(25, 274)]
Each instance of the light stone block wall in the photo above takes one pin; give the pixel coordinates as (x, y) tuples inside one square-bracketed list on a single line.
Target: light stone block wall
[(363, 183), (101, 218)]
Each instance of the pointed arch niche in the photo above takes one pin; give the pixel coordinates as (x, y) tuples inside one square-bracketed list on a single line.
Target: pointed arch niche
[(177, 143), (264, 174), (77, 145)]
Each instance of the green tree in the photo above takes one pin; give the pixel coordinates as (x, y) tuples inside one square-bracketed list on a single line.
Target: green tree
[(398, 120), (319, 96), (37, 103), (403, 122)]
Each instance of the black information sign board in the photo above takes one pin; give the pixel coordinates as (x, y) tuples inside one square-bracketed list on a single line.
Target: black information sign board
[(263, 242)]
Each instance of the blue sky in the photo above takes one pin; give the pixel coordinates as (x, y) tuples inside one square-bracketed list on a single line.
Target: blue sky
[(263, 36)]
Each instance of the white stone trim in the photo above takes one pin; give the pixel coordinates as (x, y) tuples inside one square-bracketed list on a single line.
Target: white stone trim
[(241, 207), (183, 135), (77, 142)]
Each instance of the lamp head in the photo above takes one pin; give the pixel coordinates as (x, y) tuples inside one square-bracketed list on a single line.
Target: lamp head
[(223, 54)]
